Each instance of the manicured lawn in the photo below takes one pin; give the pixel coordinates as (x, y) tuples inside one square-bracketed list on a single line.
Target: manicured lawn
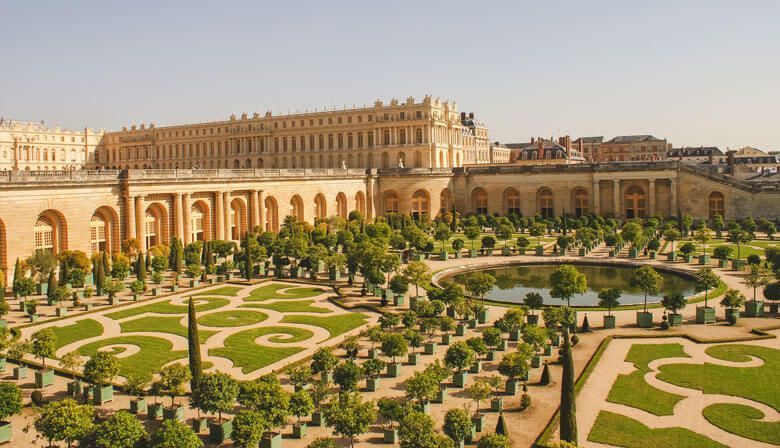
[(336, 325), (162, 324), (83, 329), (754, 383), (223, 291), (232, 318), (242, 350), (154, 354), (618, 430), (632, 390), (165, 307), (743, 421), (273, 291), (291, 306)]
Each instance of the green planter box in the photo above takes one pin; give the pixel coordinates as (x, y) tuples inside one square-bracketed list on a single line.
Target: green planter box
[(511, 387), (737, 265), (430, 348), (532, 319), (489, 252), (497, 404), (582, 252), (174, 413), (472, 323), (299, 430), (138, 405), (113, 301), (675, 320), (317, 419), (62, 312), (174, 288), (547, 350), (506, 251), (220, 278), (704, 259), (34, 318), (479, 422), (88, 307), (394, 370), (136, 297), (705, 315), (294, 272), (413, 359), (490, 356), (6, 431), (372, 384), (460, 379), (444, 255), (20, 373), (378, 291), (460, 330), (200, 424), (515, 335), (44, 379), (536, 361), (441, 396), (723, 263), (609, 321), (653, 255), (555, 340), (539, 250), (398, 299), (458, 254), (271, 440), (155, 291), (754, 308), (102, 394), (418, 257), (75, 387), (671, 256), (689, 259), (390, 436), (333, 275), (476, 367), (732, 315), (482, 316), (446, 339), (373, 353), (194, 283), (472, 253), (425, 408), (154, 411), (219, 432), (644, 319), (502, 345), (521, 251)]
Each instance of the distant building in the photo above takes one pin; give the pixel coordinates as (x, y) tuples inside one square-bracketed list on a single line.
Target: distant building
[(540, 151), (697, 154), (32, 146), (590, 147), (626, 148)]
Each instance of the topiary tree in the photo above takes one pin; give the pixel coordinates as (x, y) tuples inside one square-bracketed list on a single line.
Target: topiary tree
[(504, 232), (442, 234), (417, 273), (175, 434), (173, 377), (609, 298), (534, 301), (566, 281), (350, 416), (568, 413), (457, 425), (422, 387), (193, 346), (347, 375), (732, 300), (480, 391), (101, 368), (758, 277), (322, 442), (673, 302), (648, 280), (494, 441), (248, 429), (722, 252), (459, 356), (10, 400), (120, 430), (394, 345), (217, 393), (323, 361), (472, 233), (706, 279), (479, 283), (65, 421), (301, 404), (43, 344), (514, 365)]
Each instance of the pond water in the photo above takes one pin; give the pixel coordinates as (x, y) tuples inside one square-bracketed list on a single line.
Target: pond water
[(514, 282)]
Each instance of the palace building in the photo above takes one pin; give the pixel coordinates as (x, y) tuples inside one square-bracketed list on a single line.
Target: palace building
[(219, 180)]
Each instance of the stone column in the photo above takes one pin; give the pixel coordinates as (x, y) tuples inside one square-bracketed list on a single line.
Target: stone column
[(596, 197), (140, 228), (226, 214), (219, 215), (617, 209), (651, 196), (178, 216), (675, 205), (187, 218), (130, 217), (369, 197), (261, 210), (251, 216)]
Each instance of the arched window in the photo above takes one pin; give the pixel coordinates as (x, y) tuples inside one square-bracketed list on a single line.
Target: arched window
[(717, 204), (636, 202), (391, 202), (238, 224), (512, 201), (420, 204), (480, 201), (580, 202), (271, 215), (197, 223), (296, 208), (360, 202), (44, 234), (418, 159), (150, 229), (341, 205), (445, 200), (320, 207), (546, 203), (97, 234)]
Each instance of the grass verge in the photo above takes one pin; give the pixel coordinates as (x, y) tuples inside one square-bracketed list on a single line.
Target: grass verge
[(162, 324), (231, 291), (166, 307), (232, 318), (619, 430), (242, 350), (154, 353), (743, 421), (282, 291), (82, 329), (336, 325), (292, 306)]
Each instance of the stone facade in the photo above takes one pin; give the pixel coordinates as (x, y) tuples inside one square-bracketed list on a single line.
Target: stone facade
[(93, 210), (33, 146)]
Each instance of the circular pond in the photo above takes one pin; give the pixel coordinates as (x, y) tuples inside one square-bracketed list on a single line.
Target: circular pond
[(515, 281)]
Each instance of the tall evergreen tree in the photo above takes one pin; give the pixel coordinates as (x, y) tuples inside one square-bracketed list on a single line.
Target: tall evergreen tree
[(17, 273), (196, 368), (106, 264), (148, 260), (100, 277), (52, 284), (501, 427), (179, 257), (140, 267), (568, 408), (248, 267), (172, 254), (64, 273)]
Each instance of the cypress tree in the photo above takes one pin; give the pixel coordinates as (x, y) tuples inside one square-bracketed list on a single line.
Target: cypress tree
[(545, 379), (64, 273), (179, 257), (565, 222), (140, 267), (52, 285), (100, 280), (106, 264), (172, 254), (568, 408), (501, 428), (248, 268), (148, 260), (17, 275), (585, 325), (193, 341)]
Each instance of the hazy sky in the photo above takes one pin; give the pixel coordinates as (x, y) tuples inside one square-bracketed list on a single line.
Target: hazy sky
[(695, 72)]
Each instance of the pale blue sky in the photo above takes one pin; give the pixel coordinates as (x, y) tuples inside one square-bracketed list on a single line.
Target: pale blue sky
[(695, 72)]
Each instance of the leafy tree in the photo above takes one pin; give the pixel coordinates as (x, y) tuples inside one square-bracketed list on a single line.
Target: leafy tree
[(491, 336), (472, 233), (394, 345), (10, 400), (417, 431), (266, 396), (459, 356), (442, 234), (533, 300), (422, 387), (101, 368), (706, 279), (44, 345), (673, 302), (479, 283), (739, 237), (494, 441), (392, 410), (248, 428), (609, 298), (567, 281), (488, 242), (534, 336), (322, 442), (757, 277), (723, 252), (120, 430), (193, 345), (65, 421), (172, 380), (457, 424), (479, 391), (71, 361), (351, 416), (399, 284), (323, 361), (301, 404), (175, 434), (732, 299), (347, 375), (217, 393), (24, 287), (504, 232), (478, 345), (703, 236), (417, 273), (538, 230), (568, 415), (514, 365), (648, 280)]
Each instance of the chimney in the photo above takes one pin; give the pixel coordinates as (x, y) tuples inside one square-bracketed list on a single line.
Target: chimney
[(533, 140), (463, 115), (471, 115)]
